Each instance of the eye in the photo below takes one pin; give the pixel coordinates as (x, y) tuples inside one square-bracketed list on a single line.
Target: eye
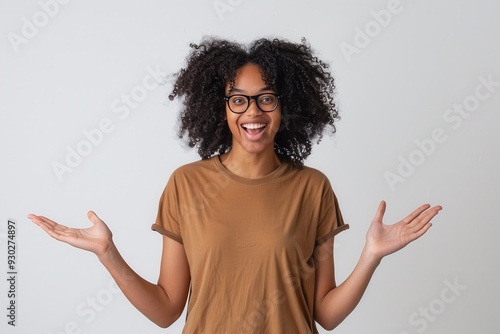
[(238, 100), (267, 99)]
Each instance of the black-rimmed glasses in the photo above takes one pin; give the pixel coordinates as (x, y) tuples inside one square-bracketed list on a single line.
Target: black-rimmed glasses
[(239, 103)]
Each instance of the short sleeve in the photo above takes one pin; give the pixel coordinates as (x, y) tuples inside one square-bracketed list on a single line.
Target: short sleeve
[(167, 220), (330, 218)]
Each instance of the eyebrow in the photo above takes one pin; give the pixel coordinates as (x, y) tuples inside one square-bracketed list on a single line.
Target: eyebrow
[(238, 90)]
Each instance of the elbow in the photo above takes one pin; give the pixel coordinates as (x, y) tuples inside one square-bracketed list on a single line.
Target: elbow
[(167, 320), (326, 322), (165, 323), (327, 325)]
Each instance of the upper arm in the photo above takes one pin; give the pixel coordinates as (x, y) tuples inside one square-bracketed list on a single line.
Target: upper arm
[(174, 273), (325, 276)]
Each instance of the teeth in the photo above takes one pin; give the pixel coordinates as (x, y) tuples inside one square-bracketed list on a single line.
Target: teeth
[(253, 125)]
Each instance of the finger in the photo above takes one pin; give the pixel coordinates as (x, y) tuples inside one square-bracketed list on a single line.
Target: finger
[(408, 219), (94, 218), (54, 231), (420, 232), (39, 220), (380, 211), (421, 224), (52, 228), (425, 217)]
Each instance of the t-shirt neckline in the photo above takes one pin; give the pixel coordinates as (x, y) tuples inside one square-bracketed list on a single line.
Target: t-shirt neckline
[(271, 176)]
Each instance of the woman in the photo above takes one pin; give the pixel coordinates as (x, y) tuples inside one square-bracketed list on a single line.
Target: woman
[(248, 230)]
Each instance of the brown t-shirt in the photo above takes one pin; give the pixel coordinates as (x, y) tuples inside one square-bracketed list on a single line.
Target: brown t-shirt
[(249, 244)]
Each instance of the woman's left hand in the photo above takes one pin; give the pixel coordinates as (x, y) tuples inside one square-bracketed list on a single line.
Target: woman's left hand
[(382, 240)]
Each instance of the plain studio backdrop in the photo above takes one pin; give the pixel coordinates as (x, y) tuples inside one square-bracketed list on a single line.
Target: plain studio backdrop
[(86, 124)]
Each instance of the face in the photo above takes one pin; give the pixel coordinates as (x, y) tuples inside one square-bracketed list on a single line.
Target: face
[(254, 130)]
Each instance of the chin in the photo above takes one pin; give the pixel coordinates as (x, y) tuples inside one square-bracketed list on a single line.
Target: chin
[(257, 148)]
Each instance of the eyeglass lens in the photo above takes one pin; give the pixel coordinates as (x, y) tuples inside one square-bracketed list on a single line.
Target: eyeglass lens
[(265, 102)]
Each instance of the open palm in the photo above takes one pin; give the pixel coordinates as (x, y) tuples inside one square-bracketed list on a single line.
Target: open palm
[(386, 239), (95, 239)]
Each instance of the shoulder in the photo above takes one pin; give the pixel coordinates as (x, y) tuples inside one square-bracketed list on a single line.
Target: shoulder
[(313, 172), (310, 180), (308, 173), (195, 167), (196, 174)]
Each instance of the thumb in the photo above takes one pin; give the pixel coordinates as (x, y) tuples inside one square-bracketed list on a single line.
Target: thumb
[(93, 217), (380, 212)]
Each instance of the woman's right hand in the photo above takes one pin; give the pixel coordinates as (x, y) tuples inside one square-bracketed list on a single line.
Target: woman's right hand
[(96, 239)]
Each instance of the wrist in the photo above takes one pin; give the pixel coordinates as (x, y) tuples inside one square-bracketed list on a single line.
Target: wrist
[(370, 256), (108, 252)]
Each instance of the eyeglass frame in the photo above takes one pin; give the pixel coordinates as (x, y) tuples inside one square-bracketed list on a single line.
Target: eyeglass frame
[(249, 99)]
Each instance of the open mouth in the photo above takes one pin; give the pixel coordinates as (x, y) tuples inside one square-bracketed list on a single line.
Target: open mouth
[(254, 128)]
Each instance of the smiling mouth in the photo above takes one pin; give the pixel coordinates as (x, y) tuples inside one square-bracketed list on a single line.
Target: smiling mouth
[(254, 128)]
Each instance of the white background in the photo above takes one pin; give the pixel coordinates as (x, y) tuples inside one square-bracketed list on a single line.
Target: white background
[(398, 87)]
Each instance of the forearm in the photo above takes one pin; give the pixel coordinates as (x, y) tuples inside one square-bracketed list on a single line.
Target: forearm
[(334, 304), (150, 299), (340, 301)]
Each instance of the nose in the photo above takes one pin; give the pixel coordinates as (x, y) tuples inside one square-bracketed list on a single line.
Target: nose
[(253, 108)]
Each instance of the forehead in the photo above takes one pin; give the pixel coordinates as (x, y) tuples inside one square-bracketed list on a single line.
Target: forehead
[(248, 78)]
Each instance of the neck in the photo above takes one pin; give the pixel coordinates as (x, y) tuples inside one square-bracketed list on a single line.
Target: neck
[(250, 165)]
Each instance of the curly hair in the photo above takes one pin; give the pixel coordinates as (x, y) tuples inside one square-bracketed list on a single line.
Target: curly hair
[(302, 80)]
